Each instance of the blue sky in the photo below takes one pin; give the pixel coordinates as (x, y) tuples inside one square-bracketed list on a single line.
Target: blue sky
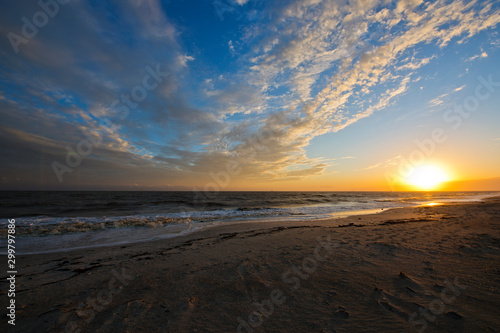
[(295, 95)]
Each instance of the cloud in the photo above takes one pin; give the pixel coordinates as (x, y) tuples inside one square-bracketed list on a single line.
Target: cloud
[(313, 37), (231, 47), (71, 77), (390, 162), (183, 59), (480, 55), (305, 68), (241, 2), (438, 100)]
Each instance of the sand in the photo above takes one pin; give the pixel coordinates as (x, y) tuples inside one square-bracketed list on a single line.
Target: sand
[(421, 269)]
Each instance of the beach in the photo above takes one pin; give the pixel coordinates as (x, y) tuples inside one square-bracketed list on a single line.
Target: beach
[(250, 166), (413, 269)]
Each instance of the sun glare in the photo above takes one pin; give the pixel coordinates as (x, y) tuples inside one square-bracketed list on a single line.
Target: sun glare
[(427, 177)]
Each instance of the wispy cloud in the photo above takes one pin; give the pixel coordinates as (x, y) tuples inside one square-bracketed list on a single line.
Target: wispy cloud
[(477, 56), (438, 100), (330, 35), (390, 162)]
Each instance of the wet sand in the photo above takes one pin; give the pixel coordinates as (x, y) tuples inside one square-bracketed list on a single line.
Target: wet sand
[(421, 269)]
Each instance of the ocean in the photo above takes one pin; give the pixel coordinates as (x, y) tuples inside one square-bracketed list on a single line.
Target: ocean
[(65, 220)]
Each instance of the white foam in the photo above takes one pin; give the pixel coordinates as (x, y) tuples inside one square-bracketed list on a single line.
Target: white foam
[(109, 237)]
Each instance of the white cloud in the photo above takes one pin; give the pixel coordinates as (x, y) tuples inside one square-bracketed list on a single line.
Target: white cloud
[(438, 100), (480, 55), (183, 59), (308, 39)]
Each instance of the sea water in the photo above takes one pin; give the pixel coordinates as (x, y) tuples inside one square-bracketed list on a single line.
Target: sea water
[(62, 221)]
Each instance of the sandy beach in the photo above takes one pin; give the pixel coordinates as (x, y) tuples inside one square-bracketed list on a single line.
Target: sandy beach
[(420, 269), (250, 166)]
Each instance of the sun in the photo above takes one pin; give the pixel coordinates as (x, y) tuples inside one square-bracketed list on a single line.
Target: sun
[(427, 177)]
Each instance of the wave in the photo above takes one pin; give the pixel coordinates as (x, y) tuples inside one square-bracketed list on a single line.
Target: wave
[(296, 205)]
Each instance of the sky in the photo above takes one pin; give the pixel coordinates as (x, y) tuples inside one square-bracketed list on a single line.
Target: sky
[(214, 95)]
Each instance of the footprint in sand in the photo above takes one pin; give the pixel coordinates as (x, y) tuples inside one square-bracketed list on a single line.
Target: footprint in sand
[(341, 313), (339, 316)]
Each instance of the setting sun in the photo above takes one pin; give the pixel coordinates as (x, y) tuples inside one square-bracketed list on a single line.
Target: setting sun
[(427, 177)]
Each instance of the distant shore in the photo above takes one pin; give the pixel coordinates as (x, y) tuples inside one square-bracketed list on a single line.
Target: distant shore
[(417, 269)]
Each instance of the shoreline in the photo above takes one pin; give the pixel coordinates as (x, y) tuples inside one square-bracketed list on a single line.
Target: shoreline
[(214, 279), (143, 234)]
